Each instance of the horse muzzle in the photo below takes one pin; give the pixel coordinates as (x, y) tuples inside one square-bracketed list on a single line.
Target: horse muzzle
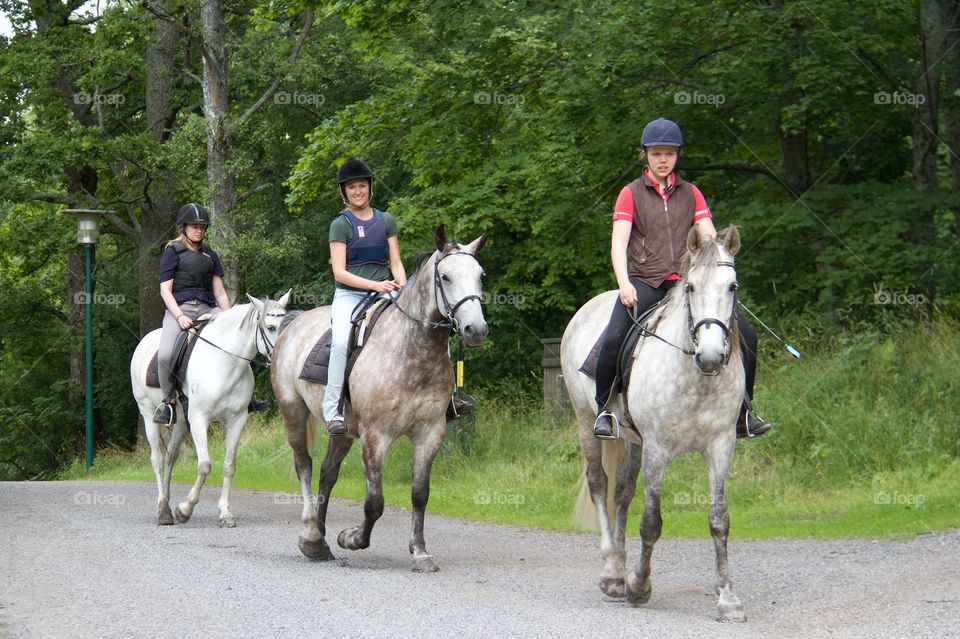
[(474, 332)]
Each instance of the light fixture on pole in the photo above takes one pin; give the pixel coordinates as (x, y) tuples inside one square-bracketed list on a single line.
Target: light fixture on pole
[(88, 232)]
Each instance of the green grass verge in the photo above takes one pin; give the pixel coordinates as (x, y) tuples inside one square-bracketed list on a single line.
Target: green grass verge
[(515, 470)]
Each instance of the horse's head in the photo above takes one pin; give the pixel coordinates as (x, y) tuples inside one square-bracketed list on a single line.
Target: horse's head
[(710, 296), (269, 315), (456, 276)]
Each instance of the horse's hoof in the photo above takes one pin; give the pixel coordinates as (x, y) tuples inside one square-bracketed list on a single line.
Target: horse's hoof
[(613, 587), (425, 564), (730, 609), (348, 539), (228, 522), (318, 550), (181, 517), (641, 595), (731, 614), (165, 517)]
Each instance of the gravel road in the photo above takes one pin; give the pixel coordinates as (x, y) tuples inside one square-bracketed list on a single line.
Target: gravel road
[(82, 559)]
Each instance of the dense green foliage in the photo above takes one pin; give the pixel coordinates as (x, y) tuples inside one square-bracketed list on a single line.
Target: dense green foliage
[(518, 118)]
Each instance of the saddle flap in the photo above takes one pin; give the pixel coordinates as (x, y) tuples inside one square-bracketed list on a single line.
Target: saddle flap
[(179, 358)]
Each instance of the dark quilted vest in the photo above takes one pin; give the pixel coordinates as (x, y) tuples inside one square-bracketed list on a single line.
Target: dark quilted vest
[(658, 239)]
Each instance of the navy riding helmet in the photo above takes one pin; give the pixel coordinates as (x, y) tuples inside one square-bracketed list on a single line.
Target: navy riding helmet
[(661, 132)]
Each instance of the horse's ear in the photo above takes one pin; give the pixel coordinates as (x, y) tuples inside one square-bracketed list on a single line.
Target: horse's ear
[(440, 237), (255, 302), (731, 239), (477, 244), (693, 240), (285, 299)]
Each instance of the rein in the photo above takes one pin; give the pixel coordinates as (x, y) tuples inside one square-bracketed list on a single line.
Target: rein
[(253, 360)]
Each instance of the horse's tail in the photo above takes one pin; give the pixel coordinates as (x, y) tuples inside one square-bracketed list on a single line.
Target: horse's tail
[(585, 513)]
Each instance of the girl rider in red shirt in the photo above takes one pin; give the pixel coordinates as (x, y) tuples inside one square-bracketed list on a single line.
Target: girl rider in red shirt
[(656, 254)]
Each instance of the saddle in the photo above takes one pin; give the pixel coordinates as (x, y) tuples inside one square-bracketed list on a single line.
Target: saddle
[(182, 350), (647, 322), (363, 319)]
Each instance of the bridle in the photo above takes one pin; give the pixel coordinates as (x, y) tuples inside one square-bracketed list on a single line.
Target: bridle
[(693, 328), (262, 334), (447, 311), (711, 321)]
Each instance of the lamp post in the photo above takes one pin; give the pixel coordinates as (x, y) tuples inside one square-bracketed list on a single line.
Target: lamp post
[(88, 232)]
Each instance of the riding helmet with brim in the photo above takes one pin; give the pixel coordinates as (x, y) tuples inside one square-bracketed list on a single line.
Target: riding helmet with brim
[(193, 214), (353, 169), (661, 132)]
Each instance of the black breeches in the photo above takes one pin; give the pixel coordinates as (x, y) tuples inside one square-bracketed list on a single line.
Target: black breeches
[(619, 324), (617, 328)]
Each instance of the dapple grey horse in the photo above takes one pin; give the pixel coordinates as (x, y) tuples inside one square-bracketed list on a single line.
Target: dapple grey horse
[(400, 386), (219, 385), (685, 391)]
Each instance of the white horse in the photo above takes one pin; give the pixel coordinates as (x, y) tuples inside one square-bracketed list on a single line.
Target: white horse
[(219, 386), (685, 391)]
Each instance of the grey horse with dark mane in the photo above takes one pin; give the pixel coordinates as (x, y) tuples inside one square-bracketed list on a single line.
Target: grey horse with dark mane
[(399, 386), (684, 394)]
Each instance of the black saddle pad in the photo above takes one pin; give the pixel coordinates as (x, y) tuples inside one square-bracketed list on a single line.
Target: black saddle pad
[(318, 361)]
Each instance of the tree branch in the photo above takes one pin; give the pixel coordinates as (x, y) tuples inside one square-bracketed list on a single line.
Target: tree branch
[(53, 198), (83, 21), (879, 68), (294, 54), (246, 195), (746, 168)]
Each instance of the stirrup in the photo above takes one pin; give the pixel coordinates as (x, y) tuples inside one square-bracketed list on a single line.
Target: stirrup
[(615, 431), (750, 428), (166, 414)]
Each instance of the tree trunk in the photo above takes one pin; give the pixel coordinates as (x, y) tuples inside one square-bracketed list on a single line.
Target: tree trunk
[(951, 107), (924, 117), (220, 179)]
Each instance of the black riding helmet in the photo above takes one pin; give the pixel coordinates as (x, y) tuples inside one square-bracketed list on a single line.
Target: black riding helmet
[(353, 169), (193, 214)]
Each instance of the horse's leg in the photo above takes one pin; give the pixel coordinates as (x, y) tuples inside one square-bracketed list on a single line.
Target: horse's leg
[(337, 449), (426, 444), (718, 460), (374, 449), (177, 435), (611, 576), (638, 581), (232, 438), (625, 490), (198, 431), (157, 459)]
